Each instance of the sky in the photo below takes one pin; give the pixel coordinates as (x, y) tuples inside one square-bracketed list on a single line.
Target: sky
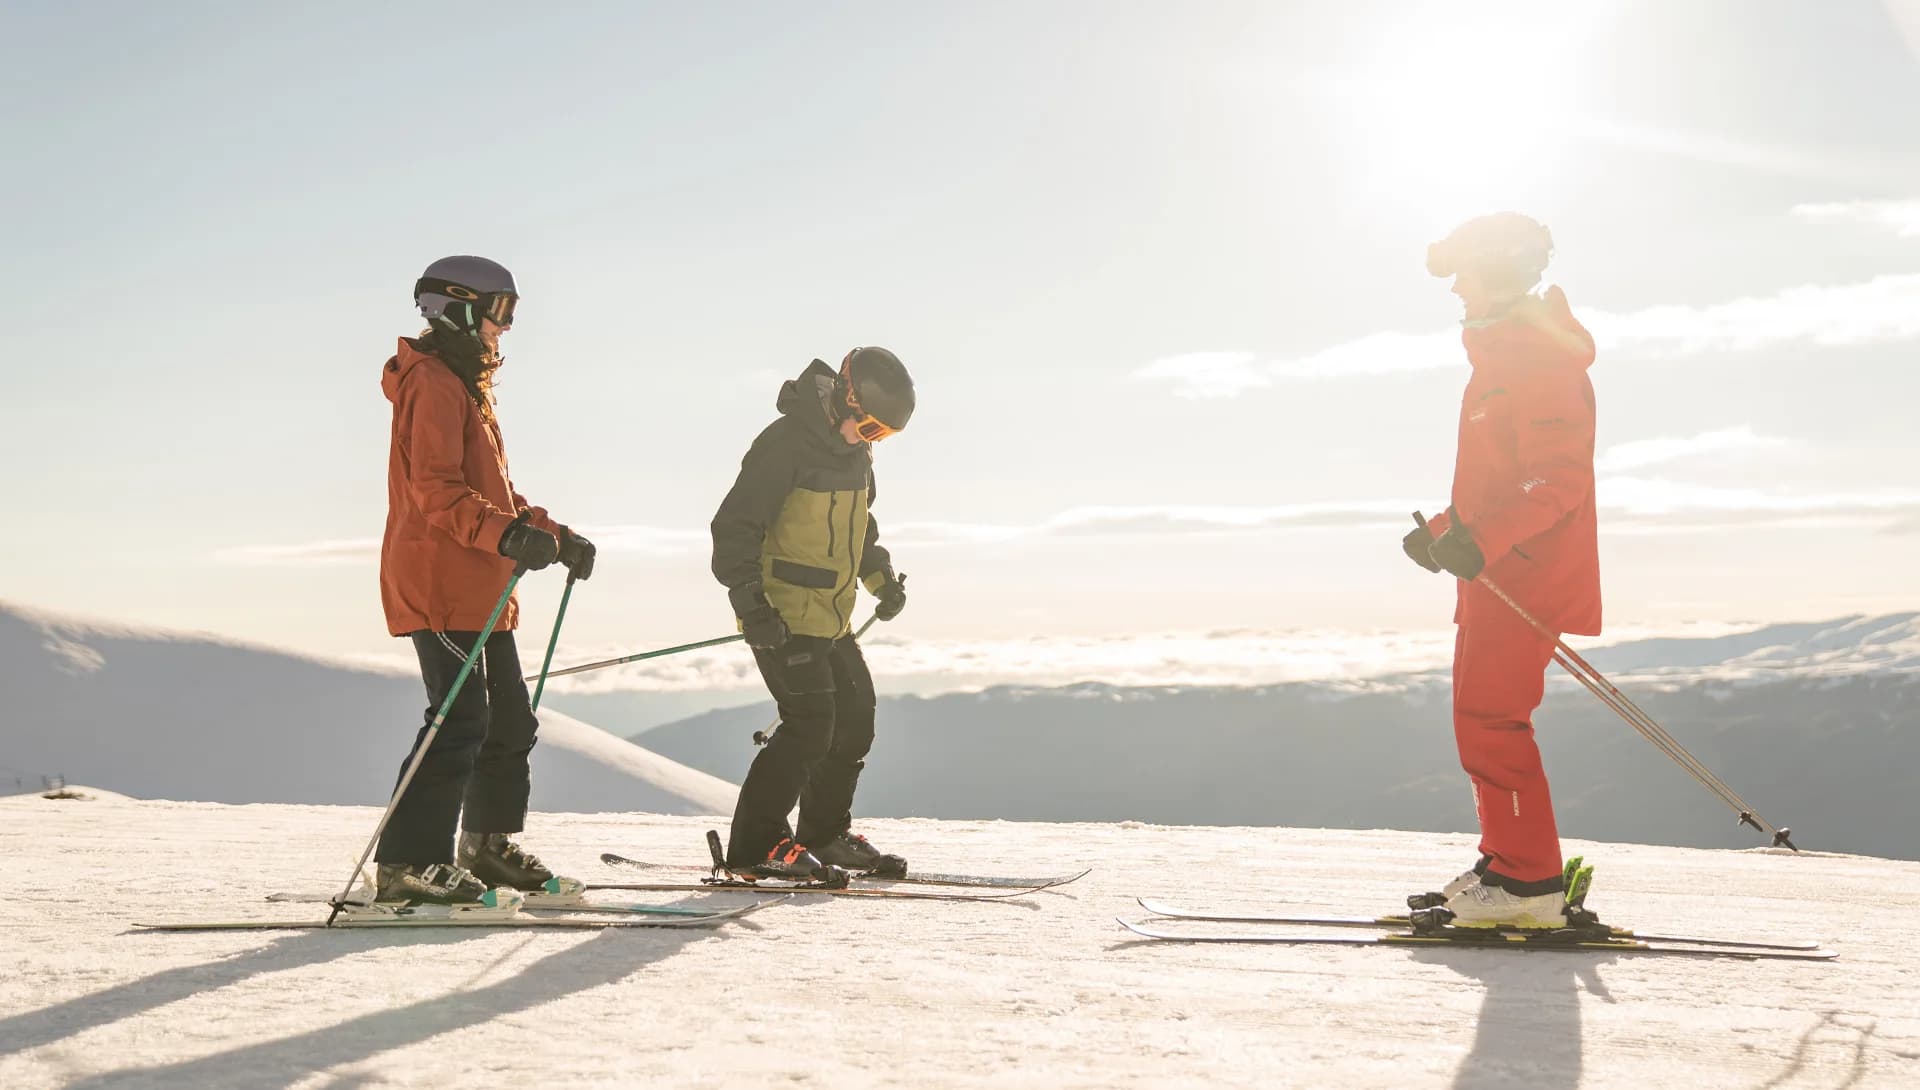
[(1157, 271)]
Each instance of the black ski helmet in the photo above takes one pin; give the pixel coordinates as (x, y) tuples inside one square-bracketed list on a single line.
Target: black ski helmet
[(456, 292), (873, 382)]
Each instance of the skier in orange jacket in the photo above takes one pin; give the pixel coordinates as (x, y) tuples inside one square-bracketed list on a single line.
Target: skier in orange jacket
[(1523, 512)]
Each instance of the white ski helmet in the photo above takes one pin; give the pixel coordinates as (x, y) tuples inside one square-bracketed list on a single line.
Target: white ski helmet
[(1515, 246)]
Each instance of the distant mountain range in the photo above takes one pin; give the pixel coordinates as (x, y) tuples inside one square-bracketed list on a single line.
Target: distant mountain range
[(1816, 725)]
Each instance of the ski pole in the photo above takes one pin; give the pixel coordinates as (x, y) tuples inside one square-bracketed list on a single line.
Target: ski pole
[(552, 640), (1637, 718), (664, 651), (426, 742), (762, 737)]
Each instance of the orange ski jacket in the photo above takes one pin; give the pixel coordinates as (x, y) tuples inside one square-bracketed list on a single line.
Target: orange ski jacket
[(449, 498)]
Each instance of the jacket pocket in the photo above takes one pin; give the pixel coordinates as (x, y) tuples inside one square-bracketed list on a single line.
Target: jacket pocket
[(804, 575)]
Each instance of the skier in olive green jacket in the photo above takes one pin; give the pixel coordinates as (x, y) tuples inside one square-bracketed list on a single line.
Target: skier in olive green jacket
[(790, 541)]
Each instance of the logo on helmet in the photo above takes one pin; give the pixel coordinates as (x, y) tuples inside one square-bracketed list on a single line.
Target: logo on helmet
[(459, 292)]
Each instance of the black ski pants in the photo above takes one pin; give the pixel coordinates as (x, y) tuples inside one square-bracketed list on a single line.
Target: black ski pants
[(826, 701), (478, 761)]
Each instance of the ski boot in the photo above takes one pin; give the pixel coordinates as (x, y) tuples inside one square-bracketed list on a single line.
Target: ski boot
[(495, 859), (442, 889), (1419, 901), (787, 860), (855, 853)]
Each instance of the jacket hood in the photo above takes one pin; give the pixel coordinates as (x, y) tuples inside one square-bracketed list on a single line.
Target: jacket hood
[(804, 400), (404, 359)]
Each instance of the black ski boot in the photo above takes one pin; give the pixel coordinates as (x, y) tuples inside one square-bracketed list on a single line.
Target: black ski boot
[(428, 884), (790, 861), (496, 860), (855, 853)]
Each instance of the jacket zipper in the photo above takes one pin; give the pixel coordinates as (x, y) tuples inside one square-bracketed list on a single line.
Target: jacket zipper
[(853, 563)]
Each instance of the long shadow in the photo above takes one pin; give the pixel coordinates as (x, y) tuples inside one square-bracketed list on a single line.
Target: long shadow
[(295, 950), (606, 958), (1528, 1033)]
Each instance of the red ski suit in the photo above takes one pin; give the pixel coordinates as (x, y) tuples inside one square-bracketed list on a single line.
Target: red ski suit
[(1523, 487)]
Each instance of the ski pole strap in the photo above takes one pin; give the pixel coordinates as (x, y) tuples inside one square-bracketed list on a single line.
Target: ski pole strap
[(664, 651), (547, 663)]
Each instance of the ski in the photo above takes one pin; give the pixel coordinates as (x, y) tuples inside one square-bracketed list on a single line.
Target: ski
[(1171, 912), (1488, 939), (910, 878), (769, 885), (398, 920), (410, 918), (535, 902)]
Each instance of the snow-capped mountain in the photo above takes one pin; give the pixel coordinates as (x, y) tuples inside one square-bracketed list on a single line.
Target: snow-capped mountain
[(153, 714)]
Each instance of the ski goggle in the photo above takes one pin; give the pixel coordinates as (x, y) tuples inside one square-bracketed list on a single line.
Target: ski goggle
[(495, 305), (872, 429), (499, 307)]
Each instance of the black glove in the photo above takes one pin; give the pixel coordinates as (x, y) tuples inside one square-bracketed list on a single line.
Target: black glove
[(577, 554), (765, 629), (529, 545), (893, 597), (1455, 550), (1416, 546)]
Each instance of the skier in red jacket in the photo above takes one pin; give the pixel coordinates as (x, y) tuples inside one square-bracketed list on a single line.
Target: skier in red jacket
[(1522, 512)]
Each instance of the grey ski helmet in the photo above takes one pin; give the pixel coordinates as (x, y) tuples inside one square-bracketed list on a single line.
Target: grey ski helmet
[(874, 387), (456, 292)]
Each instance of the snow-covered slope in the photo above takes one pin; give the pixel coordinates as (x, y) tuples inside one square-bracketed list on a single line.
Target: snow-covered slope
[(156, 714), (1046, 992)]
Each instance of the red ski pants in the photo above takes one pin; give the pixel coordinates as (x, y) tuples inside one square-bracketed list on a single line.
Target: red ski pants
[(1499, 678)]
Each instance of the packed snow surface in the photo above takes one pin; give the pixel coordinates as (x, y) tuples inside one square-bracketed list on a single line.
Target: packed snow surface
[(1045, 991)]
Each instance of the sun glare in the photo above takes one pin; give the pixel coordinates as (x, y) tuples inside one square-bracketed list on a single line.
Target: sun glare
[(1461, 110)]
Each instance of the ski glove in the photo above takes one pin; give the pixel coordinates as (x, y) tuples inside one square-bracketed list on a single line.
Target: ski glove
[(577, 554), (529, 545), (893, 597), (1455, 550), (1417, 545), (765, 629)]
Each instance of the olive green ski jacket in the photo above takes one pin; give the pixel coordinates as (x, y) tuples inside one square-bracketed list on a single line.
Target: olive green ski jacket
[(796, 519)]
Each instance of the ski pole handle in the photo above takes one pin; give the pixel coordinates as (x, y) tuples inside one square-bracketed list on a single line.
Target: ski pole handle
[(552, 642)]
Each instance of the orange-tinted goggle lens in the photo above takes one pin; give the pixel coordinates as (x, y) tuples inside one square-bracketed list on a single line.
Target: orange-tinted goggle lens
[(500, 309), (872, 429)]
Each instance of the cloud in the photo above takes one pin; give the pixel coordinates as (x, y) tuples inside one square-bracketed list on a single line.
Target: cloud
[(1158, 520), (315, 554), (1651, 505), (1900, 217), (1160, 658), (1886, 308), (646, 540), (1627, 503), (1180, 657), (1647, 452)]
